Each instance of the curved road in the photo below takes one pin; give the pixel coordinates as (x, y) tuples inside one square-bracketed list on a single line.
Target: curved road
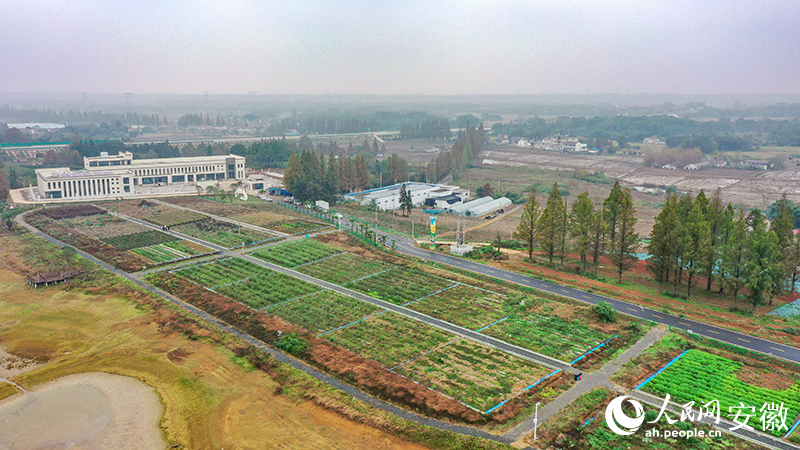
[(789, 353)]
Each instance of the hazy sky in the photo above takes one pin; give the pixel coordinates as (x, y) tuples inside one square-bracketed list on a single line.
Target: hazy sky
[(400, 47)]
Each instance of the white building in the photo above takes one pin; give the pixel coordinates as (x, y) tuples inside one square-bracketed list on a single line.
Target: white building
[(388, 197), (120, 175)]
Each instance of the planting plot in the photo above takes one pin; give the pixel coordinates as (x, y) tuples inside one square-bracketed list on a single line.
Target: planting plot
[(262, 218), (296, 226), (170, 251), (221, 272), (547, 334), (343, 268), (702, 377), (225, 234), (400, 285), (295, 253), (389, 338), (70, 211), (112, 229), (142, 239), (323, 311), (175, 217), (463, 305), (472, 373), (267, 290)]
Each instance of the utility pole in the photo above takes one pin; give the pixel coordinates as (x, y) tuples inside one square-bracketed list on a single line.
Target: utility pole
[(536, 420)]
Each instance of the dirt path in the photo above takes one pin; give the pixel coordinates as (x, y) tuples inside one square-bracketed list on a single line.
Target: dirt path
[(589, 381)]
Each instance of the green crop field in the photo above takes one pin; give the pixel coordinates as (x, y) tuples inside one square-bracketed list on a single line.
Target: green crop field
[(702, 377), (170, 251), (472, 373), (224, 234), (143, 239), (550, 335), (294, 253), (267, 290), (344, 267), (222, 272), (323, 311), (296, 226), (463, 305), (400, 285), (389, 338)]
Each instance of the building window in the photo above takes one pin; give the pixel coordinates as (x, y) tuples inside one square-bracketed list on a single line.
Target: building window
[(178, 178), (127, 188), (125, 181)]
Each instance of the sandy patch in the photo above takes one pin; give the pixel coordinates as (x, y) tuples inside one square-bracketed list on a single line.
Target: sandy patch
[(12, 365), (85, 411)]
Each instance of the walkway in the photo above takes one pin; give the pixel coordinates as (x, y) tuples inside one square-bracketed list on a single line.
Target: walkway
[(589, 381), (279, 356)]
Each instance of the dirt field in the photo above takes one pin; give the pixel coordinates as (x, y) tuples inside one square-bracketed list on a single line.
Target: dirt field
[(750, 188), (210, 398)]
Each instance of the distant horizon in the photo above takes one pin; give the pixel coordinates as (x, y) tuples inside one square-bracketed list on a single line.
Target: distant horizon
[(402, 47)]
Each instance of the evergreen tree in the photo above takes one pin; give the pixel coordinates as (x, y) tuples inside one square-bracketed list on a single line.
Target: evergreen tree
[(625, 241), (715, 216), (597, 238), (551, 223), (763, 270), (734, 256), (661, 248), (528, 224), (405, 200), (294, 172), (580, 222), (695, 241), (611, 207)]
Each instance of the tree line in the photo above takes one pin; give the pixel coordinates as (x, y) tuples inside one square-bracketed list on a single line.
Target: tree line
[(588, 230), (709, 136), (700, 237), (454, 161)]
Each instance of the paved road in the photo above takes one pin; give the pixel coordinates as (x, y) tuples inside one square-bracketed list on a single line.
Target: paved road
[(441, 324), (782, 351)]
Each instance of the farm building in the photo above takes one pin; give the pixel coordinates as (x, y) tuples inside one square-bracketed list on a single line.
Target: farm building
[(462, 208), (120, 175), (488, 207), (388, 197)]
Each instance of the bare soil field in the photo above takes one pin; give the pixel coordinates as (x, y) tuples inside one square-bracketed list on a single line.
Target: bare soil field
[(750, 188)]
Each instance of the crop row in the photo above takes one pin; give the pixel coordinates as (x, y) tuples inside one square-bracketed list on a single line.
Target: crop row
[(463, 305), (267, 290), (389, 338), (141, 239), (400, 285), (293, 254), (477, 375), (222, 272), (344, 267), (175, 217), (225, 234), (702, 377), (323, 311), (548, 334), (295, 226), (169, 251)]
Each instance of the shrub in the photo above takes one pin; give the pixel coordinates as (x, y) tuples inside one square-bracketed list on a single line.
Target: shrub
[(292, 344), (605, 312)]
